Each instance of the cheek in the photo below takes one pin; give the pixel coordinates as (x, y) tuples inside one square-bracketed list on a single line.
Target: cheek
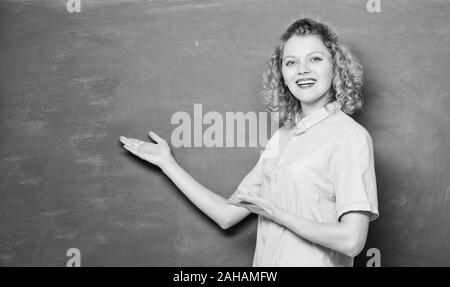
[(287, 73), (327, 73)]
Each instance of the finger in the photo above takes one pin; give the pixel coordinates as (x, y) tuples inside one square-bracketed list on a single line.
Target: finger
[(133, 151), (127, 141), (136, 141), (252, 208), (130, 149), (246, 198), (247, 205), (155, 137), (237, 203), (123, 139)]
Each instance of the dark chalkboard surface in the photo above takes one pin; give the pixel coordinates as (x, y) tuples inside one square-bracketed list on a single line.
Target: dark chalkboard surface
[(72, 83)]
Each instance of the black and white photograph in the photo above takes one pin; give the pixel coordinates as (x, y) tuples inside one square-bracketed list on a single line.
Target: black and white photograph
[(224, 133)]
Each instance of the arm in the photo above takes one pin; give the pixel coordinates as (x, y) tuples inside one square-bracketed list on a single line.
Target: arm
[(212, 204), (347, 236)]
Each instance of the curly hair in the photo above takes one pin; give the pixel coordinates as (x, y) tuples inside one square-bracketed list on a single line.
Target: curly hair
[(347, 80)]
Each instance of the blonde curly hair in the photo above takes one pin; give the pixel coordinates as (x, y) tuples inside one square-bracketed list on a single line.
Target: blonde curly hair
[(347, 80)]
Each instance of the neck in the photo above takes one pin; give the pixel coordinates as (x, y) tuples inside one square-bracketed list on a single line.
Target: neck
[(310, 108)]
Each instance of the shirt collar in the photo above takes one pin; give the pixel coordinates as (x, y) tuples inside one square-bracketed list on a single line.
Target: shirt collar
[(303, 124)]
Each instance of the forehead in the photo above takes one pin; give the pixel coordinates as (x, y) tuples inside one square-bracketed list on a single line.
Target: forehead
[(298, 46)]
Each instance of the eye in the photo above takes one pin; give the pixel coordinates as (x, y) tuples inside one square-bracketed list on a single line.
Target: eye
[(316, 59), (289, 63)]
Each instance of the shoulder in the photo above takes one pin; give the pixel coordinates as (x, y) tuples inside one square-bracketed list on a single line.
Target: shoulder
[(349, 127), (350, 134)]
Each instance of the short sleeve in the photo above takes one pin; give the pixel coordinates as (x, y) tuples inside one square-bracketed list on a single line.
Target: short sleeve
[(252, 182), (353, 172)]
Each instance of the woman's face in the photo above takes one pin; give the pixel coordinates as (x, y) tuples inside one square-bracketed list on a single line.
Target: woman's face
[(307, 70)]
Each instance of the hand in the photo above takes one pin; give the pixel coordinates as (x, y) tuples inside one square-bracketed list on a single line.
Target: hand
[(258, 205), (157, 154)]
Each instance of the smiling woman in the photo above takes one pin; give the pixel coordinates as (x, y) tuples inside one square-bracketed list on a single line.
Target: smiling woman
[(314, 185), (307, 71), (311, 48)]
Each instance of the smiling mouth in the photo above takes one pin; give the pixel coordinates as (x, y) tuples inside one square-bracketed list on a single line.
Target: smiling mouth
[(305, 83)]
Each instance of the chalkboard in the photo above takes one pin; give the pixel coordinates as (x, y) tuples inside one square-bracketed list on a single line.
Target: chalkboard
[(72, 82)]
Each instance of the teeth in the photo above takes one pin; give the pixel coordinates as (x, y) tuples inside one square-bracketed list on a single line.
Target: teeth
[(308, 82)]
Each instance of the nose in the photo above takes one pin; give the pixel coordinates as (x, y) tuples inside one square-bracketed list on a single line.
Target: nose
[(303, 68)]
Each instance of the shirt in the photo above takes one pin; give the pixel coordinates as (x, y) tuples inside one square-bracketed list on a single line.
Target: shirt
[(320, 169)]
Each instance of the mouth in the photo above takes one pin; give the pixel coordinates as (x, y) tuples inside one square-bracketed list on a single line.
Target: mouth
[(305, 83)]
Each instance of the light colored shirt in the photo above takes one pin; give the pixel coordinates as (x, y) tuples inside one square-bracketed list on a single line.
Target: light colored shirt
[(319, 170)]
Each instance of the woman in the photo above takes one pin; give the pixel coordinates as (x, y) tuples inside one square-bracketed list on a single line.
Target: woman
[(314, 186)]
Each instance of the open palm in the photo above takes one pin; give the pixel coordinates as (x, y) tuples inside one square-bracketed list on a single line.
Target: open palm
[(156, 153)]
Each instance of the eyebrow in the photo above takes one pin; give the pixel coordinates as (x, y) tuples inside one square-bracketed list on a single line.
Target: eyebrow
[(313, 52)]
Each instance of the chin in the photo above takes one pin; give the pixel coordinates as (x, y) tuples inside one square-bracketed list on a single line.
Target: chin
[(310, 97)]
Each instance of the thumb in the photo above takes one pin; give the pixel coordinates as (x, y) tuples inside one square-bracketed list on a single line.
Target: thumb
[(155, 137)]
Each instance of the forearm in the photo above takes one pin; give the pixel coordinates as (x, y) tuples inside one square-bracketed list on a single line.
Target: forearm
[(210, 203), (339, 236)]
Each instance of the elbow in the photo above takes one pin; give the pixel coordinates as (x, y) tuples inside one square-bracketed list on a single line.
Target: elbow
[(353, 247), (225, 225), (353, 252), (228, 223)]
